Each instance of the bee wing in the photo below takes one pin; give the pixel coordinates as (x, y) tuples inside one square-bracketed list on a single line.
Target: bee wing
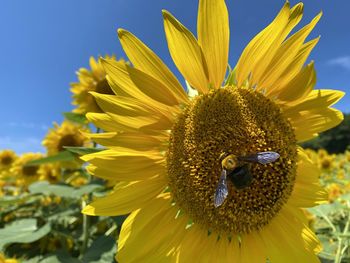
[(221, 191), (261, 157)]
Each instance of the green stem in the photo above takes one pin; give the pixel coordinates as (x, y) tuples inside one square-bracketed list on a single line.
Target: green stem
[(334, 229), (340, 251), (111, 230), (85, 230), (97, 131)]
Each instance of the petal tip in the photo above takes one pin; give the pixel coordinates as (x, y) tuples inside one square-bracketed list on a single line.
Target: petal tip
[(88, 210), (121, 32), (166, 13)]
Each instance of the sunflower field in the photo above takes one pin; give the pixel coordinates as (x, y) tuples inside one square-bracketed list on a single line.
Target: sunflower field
[(229, 164)]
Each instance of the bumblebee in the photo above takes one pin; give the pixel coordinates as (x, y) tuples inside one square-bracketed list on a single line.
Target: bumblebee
[(237, 169)]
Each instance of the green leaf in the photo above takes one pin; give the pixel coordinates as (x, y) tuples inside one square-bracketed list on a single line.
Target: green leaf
[(44, 187), (325, 209), (22, 231), (82, 150), (12, 200), (101, 250), (62, 190), (75, 117), (231, 78), (60, 257), (119, 220), (86, 189), (63, 156), (329, 248)]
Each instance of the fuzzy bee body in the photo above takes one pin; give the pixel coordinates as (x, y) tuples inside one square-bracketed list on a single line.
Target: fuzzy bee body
[(237, 169)]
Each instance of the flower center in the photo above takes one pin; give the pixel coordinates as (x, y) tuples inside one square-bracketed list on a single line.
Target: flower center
[(69, 140), (30, 170), (6, 160), (241, 122)]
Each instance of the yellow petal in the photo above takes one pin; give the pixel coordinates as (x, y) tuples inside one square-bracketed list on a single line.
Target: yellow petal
[(93, 64), (249, 243), (317, 121), (124, 164), (146, 60), (288, 240), (284, 56), (130, 78), (116, 88), (316, 99), (127, 197), (146, 233), (207, 247), (294, 68), (224, 250), (197, 238), (314, 111), (136, 141), (142, 123), (299, 87), (307, 191), (103, 121), (259, 52), (120, 105), (186, 53), (213, 37), (112, 122)]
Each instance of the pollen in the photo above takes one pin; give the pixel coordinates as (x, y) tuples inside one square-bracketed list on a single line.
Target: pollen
[(238, 121)]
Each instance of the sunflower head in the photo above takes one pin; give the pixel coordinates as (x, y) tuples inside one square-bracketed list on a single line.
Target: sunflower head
[(50, 172), (165, 149), (7, 157), (322, 153), (26, 174), (66, 134), (327, 162), (239, 121), (334, 191), (90, 80)]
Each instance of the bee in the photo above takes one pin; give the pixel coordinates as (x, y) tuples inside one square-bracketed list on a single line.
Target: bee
[(237, 168)]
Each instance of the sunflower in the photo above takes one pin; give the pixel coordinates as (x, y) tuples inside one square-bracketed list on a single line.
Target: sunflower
[(90, 80), (7, 157), (164, 147), (68, 134), (334, 191), (50, 172), (26, 174)]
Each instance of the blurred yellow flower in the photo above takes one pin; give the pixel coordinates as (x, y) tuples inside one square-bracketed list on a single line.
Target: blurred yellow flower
[(165, 147), (78, 181), (7, 157), (66, 134), (347, 153), (25, 174), (341, 174), (50, 172), (334, 191), (3, 259), (90, 80), (326, 162), (322, 153)]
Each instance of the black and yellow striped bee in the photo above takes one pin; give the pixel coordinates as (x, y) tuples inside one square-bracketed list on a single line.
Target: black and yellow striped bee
[(237, 169)]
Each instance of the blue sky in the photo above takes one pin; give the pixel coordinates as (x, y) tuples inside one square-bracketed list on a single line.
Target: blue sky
[(43, 43)]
